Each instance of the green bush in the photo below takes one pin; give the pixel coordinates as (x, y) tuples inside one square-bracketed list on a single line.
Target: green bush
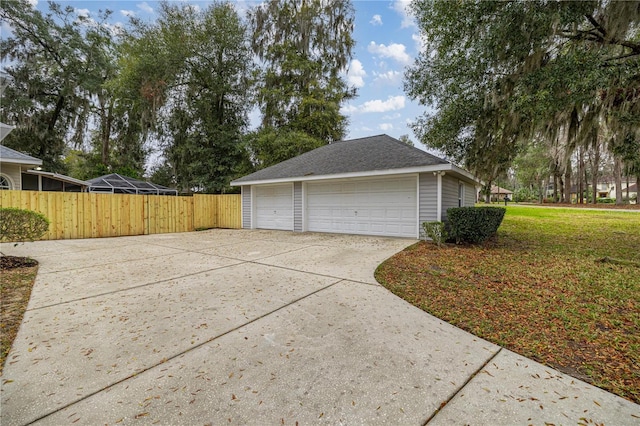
[(18, 225), (474, 224), (606, 201), (435, 231)]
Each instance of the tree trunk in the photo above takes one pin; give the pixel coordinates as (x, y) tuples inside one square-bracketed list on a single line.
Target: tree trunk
[(617, 175), (628, 198), (567, 183), (581, 175), (638, 189), (595, 171)]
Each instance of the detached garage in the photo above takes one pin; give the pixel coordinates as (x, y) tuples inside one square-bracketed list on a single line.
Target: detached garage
[(370, 186)]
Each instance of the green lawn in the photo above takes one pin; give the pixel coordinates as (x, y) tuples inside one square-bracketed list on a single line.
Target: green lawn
[(561, 286)]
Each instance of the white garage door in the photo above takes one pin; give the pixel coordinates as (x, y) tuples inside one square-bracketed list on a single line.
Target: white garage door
[(274, 207), (384, 206)]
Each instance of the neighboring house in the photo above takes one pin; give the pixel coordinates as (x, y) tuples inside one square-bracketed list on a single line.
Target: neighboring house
[(12, 164), (371, 186), (16, 172), (498, 193), (606, 188), (118, 184)]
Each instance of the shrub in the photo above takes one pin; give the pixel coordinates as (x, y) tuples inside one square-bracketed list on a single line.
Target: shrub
[(474, 224), (606, 201), (435, 231), (18, 225)]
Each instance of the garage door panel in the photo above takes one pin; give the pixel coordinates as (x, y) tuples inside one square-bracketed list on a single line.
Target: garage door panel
[(274, 207), (386, 206)]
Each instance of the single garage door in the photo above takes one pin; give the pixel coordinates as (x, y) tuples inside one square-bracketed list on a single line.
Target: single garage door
[(274, 207), (382, 206)]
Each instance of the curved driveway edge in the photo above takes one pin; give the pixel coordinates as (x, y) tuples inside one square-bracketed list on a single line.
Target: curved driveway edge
[(259, 327)]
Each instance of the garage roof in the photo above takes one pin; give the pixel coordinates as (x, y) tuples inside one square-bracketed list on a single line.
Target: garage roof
[(374, 153)]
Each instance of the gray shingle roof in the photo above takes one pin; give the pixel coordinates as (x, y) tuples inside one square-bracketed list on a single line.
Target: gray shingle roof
[(13, 156), (374, 153)]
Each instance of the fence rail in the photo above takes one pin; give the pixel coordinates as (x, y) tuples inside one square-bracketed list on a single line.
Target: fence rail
[(91, 215)]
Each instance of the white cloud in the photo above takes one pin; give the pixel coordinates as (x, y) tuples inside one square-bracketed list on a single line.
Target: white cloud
[(127, 13), (420, 40), (33, 3), (83, 12), (389, 77), (402, 8), (356, 74), (392, 116), (376, 20), (393, 103), (144, 6), (394, 51), (385, 126)]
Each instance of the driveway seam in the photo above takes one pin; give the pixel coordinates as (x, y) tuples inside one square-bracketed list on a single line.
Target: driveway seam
[(241, 262), (137, 286), (471, 377), (315, 273), (170, 358)]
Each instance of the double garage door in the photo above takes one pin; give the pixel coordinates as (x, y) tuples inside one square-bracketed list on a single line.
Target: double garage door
[(383, 206)]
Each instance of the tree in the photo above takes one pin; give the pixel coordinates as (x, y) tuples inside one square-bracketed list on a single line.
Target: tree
[(500, 72), (406, 139), (59, 64), (304, 46), (189, 74), (270, 146)]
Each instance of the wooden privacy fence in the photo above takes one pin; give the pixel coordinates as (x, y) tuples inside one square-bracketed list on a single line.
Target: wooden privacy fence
[(90, 215)]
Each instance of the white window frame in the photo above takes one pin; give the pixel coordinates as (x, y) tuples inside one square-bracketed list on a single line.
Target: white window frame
[(10, 186)]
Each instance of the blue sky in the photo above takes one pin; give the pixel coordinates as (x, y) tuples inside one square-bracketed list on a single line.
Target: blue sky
[(386, 42)]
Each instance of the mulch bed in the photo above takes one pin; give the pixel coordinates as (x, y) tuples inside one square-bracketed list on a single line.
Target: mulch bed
[(12, 262)]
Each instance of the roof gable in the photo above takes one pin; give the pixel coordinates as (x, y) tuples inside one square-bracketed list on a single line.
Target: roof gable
[(374, 153)]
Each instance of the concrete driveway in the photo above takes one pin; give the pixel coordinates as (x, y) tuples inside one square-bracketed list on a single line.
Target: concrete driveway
[(259, 327)]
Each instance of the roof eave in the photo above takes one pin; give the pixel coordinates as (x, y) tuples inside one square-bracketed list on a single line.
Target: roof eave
[(370, 173), (21, 161)]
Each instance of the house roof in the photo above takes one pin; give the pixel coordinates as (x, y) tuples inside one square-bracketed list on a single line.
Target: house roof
[(8, 155), (352, 157), (116, 183), (499, 190)]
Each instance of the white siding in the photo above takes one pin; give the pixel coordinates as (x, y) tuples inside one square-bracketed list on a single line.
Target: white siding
[(428, 202), (246, 207), (449, 194), (469, 195), (13, 173), (297, 206)]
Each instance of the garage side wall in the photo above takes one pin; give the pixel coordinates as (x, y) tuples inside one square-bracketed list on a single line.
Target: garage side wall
[(449, 194), (297, 207), (246, 207), (428, 202), (469, 195)]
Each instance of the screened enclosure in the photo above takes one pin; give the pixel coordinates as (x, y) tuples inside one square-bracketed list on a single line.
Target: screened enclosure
[(118, 184)]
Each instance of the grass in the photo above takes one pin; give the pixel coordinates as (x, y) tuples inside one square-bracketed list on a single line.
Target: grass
[(15, 290), (561, 286)]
